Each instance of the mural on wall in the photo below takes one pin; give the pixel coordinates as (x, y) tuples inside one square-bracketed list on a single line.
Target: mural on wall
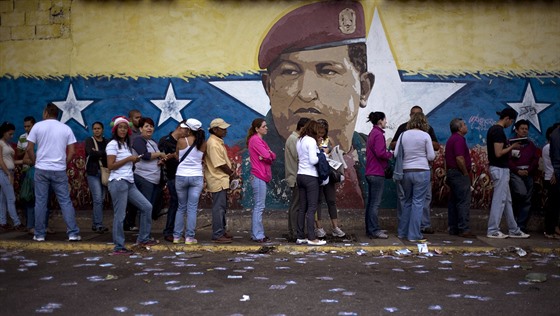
[(317, 76)]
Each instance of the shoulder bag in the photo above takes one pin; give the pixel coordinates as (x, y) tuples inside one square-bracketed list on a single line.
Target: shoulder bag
[(103, 170)]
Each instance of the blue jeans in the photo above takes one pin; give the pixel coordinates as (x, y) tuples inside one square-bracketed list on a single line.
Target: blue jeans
[(501, 202), (259, 192), (308, 198), (415, 186), (172, 210), (122, 192), (375, 193), (521, 195), (7, 200), (58, 181), (188, 193), (97, 193), (458, 208), (426, 222), (219, 206)]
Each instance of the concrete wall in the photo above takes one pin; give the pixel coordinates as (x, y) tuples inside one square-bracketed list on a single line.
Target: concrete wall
[(454, 58)]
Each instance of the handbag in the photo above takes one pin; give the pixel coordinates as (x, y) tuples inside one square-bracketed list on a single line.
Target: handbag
[(398, 172), (26, 191), (389, 170), (103, 170)]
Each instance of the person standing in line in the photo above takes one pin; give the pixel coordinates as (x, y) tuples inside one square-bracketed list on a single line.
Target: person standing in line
[(290, 171), (458, 164), (96, 157), (134, 117), (55, 148), (168, 145), (377, 159), (189, 179), (426, 226), (261, 158), (218, 173), (498, 151), (120, 161), (308, 183), (552, 206), (7, 165), (418, 152), (523, 163), (328, 191)]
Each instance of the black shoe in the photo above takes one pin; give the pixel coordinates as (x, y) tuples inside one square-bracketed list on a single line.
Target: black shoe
[(427, 230)]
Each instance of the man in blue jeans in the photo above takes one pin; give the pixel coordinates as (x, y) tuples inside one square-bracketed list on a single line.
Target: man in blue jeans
[(53, 139), (498, 155), (458, 163)]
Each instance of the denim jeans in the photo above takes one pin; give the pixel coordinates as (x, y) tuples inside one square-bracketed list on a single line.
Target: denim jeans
[(219, 206), (259, 193), (122, 192), (308, 198), (172, 210), (97, 196), (58, 181), (7, 200), (426, 221), (521, 195), (401, 232), (188, 193), (375, 193), (501, 202), (415, 186), (458, 208)]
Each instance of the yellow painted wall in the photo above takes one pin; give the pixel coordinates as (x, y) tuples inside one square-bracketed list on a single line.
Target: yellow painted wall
[(184, 38)]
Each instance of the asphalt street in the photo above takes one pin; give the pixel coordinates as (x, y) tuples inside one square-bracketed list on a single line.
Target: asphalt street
[(266, 282)]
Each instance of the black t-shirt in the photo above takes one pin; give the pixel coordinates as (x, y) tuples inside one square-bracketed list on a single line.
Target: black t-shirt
[(402, 128), (496, 134), (168, 144)]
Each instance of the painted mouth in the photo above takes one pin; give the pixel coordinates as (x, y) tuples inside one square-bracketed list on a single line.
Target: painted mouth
[(307, 110)]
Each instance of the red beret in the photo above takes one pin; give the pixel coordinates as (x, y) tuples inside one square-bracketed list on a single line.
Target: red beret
[(314, 26)]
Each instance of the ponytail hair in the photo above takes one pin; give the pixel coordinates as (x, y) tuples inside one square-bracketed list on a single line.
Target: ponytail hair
[(253, 129)]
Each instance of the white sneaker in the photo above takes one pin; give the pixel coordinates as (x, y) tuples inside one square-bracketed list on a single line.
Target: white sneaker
[(337, 232), (75, 238), (316, 242), (520, 234), (381, 235), (320, 232), (301, 241), (38, 238), (498, 235)]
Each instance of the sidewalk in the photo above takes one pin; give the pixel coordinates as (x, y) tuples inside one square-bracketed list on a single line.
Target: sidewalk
[(275, 222)]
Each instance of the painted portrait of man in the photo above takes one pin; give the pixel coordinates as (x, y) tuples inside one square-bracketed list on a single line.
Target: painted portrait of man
[(315, 63)]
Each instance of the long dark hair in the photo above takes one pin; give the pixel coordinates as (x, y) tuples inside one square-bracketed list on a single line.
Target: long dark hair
[(119, 140), (6, 127), (252, 130), (199, 137), (310, 129)]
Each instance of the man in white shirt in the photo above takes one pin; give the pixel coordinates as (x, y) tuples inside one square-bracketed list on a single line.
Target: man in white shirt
[(53, 139)]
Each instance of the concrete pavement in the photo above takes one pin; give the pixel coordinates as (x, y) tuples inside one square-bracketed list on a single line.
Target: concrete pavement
[(275, 222)]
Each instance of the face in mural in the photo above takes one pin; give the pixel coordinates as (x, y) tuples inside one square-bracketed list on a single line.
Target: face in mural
[(317, 84)]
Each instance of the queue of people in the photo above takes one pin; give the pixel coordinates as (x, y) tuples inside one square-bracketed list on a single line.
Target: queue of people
[(136, 173)]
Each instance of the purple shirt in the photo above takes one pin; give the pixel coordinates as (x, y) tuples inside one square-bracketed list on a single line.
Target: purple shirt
[(260, 167), (457, 146), (377, 155)]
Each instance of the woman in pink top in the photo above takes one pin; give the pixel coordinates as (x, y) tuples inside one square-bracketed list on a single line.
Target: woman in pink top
[(261, 158)]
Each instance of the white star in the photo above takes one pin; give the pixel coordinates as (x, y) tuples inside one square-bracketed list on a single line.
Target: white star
[(249, 92), (529, 109), (72, 108), (170, 107), (390, 95)]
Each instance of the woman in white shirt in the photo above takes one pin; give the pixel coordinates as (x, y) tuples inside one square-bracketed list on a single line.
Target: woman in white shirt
[(189, 180), (7, 165), (120, 161), (418, 151), (308, 183)]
